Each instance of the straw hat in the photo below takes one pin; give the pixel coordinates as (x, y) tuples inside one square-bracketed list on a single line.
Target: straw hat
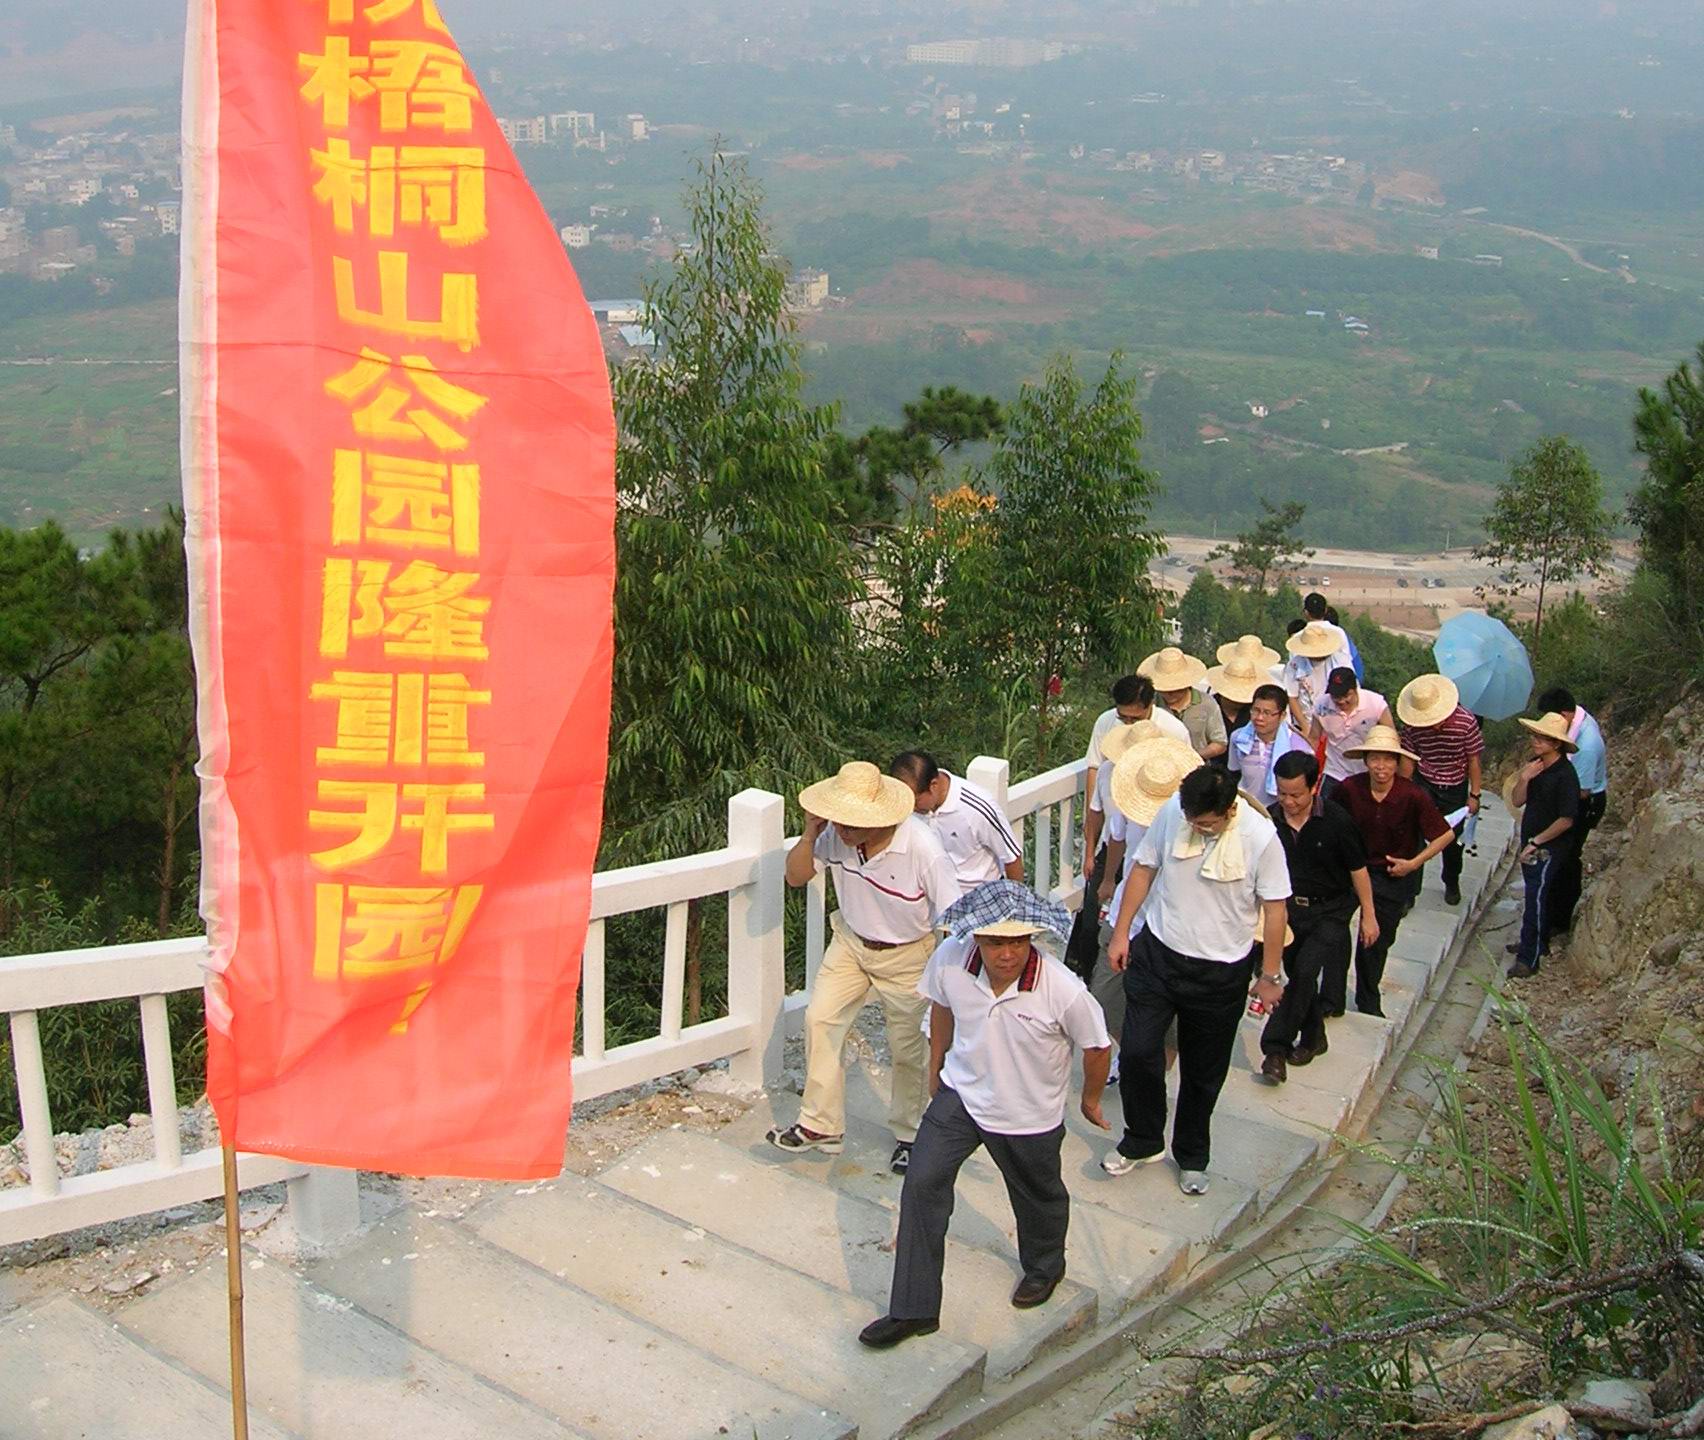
[(1552, 727), (1427, 700), (859, 796), (1381, 740), (1008, 929), (1254, 803), (1171, 669), (1149, 775), (1249, 647), (1121, 737), (1238, 678), (1317, 640)]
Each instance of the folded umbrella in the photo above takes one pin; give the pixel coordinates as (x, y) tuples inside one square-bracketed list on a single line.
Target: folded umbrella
[(1488, 663)]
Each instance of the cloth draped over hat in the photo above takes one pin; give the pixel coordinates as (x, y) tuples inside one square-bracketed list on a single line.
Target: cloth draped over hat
[(1004, 907)]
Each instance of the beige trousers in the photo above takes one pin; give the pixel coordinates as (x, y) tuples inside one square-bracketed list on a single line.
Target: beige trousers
[(850, 970)]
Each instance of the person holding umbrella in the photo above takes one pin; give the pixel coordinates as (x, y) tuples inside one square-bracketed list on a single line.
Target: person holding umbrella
[(1003, 1020), (1445, 739)]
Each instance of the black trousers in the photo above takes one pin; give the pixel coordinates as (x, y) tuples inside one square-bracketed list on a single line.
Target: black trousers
[(1208, 998), (1570, 875), (1029, 1164), (1391, 899), (1450, 798), (1321, 943)]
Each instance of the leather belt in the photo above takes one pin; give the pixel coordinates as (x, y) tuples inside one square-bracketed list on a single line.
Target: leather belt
[(884, 944), (1304, 901)]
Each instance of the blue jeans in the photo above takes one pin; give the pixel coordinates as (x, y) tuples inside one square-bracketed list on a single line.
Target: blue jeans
[(1539, 875)]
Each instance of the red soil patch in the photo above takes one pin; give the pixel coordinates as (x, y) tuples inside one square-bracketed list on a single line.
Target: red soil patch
[(1005, 201), (929, 286), (1414, 186)]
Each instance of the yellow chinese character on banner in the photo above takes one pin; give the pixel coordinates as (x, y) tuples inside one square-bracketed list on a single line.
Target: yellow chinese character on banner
[(457, 322), (419, 84), (421, 612), (366, 932), (385, 719), (432, 185), (389, 414), (342, 12), (378, 813), (413, 504)]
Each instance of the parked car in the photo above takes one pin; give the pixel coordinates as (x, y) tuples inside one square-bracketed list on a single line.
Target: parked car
[(1401, 583)]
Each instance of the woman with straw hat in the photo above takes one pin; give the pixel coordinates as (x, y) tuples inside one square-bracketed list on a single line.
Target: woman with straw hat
[(892, 879), (1175, 676), (1209, 870), (1445, 740), (1549, 788), (1401, 829)]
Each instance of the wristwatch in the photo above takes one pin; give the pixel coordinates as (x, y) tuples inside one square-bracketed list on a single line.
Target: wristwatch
[(1277, 979)]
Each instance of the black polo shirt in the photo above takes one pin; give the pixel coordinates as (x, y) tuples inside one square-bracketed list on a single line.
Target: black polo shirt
[(1551, 794), (1322, 854)]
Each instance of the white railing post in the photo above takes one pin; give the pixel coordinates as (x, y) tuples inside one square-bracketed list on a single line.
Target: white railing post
[(32, 1101), (757, 957), (162, 1082), (325, 1206), (992, 774)]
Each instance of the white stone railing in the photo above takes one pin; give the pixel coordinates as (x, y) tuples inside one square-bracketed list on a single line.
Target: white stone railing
[(749, 871)]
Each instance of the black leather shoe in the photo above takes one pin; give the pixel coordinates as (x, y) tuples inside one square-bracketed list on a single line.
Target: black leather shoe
[(1033, 1290), (887, 1332), (1452, 894), (1273, 1070), (1307, 1054)]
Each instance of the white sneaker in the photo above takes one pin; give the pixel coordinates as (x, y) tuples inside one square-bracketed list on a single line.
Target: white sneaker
[(1192, 1182), (1117, 1164)]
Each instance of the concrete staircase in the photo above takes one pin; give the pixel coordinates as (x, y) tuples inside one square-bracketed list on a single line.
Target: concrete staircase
[(701, 1286)]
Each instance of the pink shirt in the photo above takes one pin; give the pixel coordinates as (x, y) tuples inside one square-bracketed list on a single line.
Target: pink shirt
[(1345, 732)]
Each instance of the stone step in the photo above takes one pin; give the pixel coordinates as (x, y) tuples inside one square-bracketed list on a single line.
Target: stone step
[(1115, 1253), (573, 1356), (323, 1369), (842, 1240), (69, 1373), (773, 1322), (1317, 1098)]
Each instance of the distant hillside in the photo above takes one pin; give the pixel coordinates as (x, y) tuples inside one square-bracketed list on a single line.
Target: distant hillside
[(1655, 166)]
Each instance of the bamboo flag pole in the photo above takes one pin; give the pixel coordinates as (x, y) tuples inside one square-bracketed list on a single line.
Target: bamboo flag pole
[(234, 1285)]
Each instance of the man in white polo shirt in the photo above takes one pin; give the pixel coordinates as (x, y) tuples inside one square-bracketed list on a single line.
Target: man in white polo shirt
[(1003, 1021), (892, 880), (1211, 872), (965, 820), (1344, 718)]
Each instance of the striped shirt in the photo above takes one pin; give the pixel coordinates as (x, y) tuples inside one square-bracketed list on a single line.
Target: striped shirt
[(974, 834), (1445, 748), (896, 895)]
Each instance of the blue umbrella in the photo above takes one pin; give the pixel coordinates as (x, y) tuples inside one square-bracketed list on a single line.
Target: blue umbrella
[(1487, 662)]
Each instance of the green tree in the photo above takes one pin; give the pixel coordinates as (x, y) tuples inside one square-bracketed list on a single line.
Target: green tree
[(1668, 506), (1548, 525), (885, 466), (1269, 551), (1062, 581), (735, 591)]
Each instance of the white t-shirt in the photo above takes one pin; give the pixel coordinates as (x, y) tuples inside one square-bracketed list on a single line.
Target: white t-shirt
[(974, 834), (1345, 732), (1164, 721), (1131, 834), (1210, 919), (1010, 1059), (897, 895)]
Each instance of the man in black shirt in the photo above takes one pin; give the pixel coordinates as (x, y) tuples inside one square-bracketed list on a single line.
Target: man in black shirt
[(1328, 878), (1550, 790)]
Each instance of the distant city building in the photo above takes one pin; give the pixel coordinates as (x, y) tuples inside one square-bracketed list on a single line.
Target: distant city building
[(1001, 54), (1426, 252), (574, 124), (618, 312), (576, 237), (169, 213), (638, 127), (531, 130), (83, 190), (808, 290)]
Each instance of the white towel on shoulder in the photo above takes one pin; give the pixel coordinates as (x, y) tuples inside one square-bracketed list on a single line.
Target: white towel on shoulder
[(1227, 860)]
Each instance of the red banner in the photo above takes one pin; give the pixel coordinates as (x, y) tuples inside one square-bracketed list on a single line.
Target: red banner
[(398, 475)]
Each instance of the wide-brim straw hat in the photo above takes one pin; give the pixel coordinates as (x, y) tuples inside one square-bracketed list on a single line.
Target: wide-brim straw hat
[(1239, 677), (1381, 740), (1121, 737), (1317, 640), (1552, 727), (1427, 700), (1148, 775), (859, 796), (1170, 669), (1250, 647)]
